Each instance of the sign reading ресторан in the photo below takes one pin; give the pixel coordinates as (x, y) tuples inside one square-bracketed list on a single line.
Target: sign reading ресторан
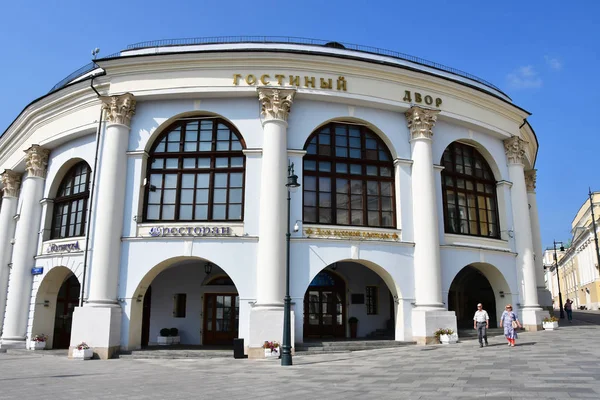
[(162, 231), (63, 247)]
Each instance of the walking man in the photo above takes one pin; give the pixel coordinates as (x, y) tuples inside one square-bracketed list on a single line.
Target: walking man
[(481, 322)]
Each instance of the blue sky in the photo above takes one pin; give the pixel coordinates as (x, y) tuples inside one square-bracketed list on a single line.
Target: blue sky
[(544, 54)]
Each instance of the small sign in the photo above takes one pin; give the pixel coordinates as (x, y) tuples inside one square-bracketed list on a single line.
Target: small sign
[(37, 270)]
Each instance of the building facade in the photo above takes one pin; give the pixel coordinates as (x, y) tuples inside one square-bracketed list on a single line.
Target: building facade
[(149, 191), (578, 264)]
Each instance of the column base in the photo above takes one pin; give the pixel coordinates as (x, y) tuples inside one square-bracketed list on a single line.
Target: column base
[(532, 318), (266, 324), (545, 298), (99, 327), (426, 322), (13, 343)]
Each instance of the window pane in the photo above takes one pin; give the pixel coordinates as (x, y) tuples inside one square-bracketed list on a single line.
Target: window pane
[(220, 195), (324, 200), (201, 213), (202, 180), (170, 181), (235, 180), (356, 187), (342, 201), (310, 165), (189, 163), (171, 163), (356, 202), (342, 185), (371, 170), (325, 215), (185, 212), (235, 211), (187, 196), (219, 211), (325, 166), (355, 169), (168, 212), (342, 217), (341, 168), (169, 196), (187, 181), (357, 218), (373, 203), (237, 162), (373, 218), (235, 195), (222, 162), (202, 196), (310, 198), (310, 214), (325, 184), (310, 183)]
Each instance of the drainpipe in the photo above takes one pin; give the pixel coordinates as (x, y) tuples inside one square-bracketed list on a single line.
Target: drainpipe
[(91, 199)]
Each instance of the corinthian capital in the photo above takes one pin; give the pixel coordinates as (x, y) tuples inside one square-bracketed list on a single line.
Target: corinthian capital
[(36, 161), (275, 103), (421, 122), (515, 150), (530, 179), (118, 109), (11, 181)]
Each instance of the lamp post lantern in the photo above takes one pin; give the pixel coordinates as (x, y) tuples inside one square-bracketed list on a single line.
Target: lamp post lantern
[(286, 348), (562, 248)]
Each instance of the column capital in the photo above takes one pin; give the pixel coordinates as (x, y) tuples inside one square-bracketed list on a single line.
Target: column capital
[(515, 150), (421, 122), (119, 109), (530, 180), (276, 104), (36, 161), (11, 181)]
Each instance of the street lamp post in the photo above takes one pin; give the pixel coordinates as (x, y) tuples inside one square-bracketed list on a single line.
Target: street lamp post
[(286, 348), (562, 248)]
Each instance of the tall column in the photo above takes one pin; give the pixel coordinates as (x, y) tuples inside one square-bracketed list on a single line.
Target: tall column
[(19, 290), (544, 296), (429, 313), (515, 153), (266, 318), (11, 181), (98, 323)]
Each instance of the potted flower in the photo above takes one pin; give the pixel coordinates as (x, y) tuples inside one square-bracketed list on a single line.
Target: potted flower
[(165, 337), (446, 336), (38, 342), (550, 323), (271, 349), (353, 322), (82, 352), (174, 334)]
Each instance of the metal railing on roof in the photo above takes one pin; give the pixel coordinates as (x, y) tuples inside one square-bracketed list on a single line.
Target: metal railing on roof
[(282, 40)]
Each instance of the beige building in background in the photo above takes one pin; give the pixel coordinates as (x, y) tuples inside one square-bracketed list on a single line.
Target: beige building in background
[(578, 264)]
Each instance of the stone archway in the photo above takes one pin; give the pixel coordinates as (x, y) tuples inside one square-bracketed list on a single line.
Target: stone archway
[(56, 299)]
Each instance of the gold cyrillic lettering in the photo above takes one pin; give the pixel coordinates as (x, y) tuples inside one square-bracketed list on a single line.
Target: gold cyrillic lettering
[(438, 101), (326, 84), (428, 100), (263, 79), (294, 80), (341, 83), (309, 81), (250, 79), (407, 96), (418, 97), (236, 77), (280, 79)]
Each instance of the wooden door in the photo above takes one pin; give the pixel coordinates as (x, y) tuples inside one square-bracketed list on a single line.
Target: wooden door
[(221, 318), (66, 301), (324, 310)]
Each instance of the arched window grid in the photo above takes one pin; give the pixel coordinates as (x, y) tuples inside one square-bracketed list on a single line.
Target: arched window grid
[(70, 205), (348, 178), (469, 193), (196, 173)]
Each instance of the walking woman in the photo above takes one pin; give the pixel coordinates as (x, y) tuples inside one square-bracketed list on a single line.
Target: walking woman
[(510, 322)]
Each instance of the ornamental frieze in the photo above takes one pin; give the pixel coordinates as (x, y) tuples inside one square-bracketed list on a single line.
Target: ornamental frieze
[(350, 234)]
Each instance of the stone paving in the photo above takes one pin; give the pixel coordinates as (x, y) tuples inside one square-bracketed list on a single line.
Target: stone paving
[(563, 364)]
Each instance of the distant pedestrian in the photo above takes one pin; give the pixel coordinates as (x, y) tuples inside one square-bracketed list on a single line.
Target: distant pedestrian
[(569, 309), (510, 323), (481, 322)]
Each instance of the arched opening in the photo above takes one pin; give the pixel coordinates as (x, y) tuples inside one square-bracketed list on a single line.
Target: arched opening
[(348, 290), (56, 299), (192, 295), (470, 287)]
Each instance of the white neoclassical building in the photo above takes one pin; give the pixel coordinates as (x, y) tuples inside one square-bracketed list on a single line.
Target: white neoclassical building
[(148, 191)]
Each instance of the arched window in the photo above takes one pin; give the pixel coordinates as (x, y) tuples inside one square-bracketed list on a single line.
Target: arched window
[(196, 173), (70, 204), (469, 192), (348, 177)]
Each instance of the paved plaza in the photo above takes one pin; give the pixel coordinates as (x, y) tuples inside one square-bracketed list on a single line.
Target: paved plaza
[(563, 364)]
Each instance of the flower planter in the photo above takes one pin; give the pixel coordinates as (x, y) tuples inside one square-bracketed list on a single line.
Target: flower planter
[(84, 354), (271, 354), (164, 340), (175, 339), (449, 339), (550, 326), (33, 345)]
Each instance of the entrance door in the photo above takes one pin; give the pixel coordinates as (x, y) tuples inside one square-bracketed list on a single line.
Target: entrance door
[(146, 317), (66, 301), (324, 307), (221, 318)]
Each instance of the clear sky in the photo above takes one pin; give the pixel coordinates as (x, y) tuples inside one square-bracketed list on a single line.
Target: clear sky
[(544, 54)]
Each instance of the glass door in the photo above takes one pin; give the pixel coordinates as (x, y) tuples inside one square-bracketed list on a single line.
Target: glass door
[(221, 318)]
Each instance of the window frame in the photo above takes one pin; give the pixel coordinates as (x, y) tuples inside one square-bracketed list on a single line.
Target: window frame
[(211, 171), (69, 200), (333, 175), (475, 180)]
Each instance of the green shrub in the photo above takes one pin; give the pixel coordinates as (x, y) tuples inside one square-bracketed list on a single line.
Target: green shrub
[(165, 332), (174, 331)]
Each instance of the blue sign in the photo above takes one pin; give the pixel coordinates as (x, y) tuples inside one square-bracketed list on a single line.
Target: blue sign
[(37, 270)]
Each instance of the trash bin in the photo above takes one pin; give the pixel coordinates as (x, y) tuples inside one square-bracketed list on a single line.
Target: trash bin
[(238, 348)]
